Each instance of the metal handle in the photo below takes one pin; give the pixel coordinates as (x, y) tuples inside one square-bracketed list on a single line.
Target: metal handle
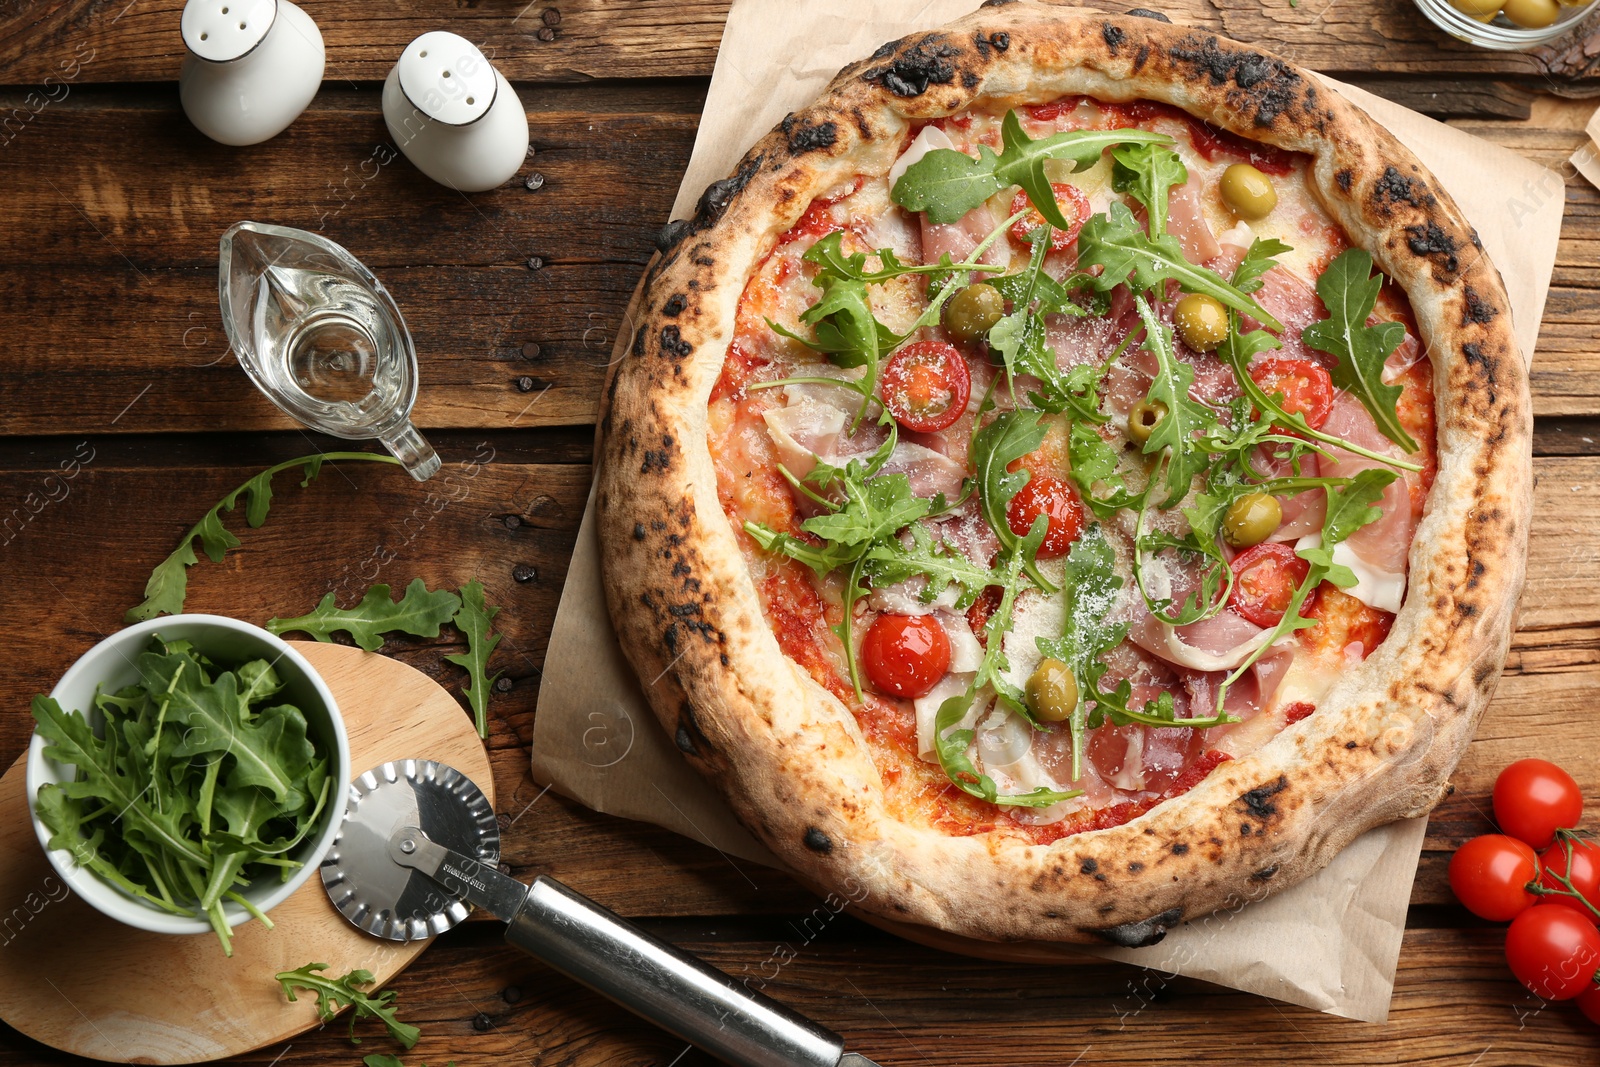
[(670, 988)]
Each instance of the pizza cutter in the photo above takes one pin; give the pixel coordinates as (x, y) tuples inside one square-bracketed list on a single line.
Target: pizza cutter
[(419, 844)]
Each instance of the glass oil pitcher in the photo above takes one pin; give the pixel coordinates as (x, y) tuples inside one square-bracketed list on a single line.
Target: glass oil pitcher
[(322, 338)]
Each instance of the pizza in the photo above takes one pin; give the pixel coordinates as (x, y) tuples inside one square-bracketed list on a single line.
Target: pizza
[(1072, 477)]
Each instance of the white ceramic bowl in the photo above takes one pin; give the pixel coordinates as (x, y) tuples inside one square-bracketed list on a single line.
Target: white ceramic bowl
[(110, 666)]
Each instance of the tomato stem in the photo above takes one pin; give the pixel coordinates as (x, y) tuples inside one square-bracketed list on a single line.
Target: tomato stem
[(1539, 889)]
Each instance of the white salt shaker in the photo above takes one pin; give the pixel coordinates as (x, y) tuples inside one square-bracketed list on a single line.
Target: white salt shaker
[(252, 67), (453, 115)]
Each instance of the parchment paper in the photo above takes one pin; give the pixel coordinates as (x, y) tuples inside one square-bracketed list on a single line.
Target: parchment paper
[(1331, 943)]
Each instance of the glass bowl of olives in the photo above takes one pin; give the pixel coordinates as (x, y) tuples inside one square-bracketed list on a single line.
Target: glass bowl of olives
[(1506, 25)]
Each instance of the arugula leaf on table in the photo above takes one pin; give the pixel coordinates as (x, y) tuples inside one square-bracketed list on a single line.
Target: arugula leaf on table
[(475, 621), (168, 584), (1148, 173), (1349, 289), (419, 612), (335, 994), (1185, 417), (946, 184), (1116, 243), (1350, 507), (1012, 435)]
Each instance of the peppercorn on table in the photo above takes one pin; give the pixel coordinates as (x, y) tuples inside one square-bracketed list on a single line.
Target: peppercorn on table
[(125, 418)]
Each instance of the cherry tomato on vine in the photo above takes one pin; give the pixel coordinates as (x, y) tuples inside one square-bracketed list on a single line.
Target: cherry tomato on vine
[(905, 655), (1306, 388), (1265, 577), (1056, 499), (1533, 798), (926, 386), (1583, 871), (1074, 208), (1490, 876), (1554, 952), (1589, 1003)]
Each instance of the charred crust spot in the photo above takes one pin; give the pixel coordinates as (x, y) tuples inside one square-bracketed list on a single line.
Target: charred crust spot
[(969, 80), (1350, 745), (817, 841), (1089, 866), (638, 531), (1345, 179), (684, 740), (925, 63), (1478, 570), (670, 639), (1000, 40), (861, 124), (724, 658), (1259, 800), (672, 233), (675, 305), (804, 138), (658, 459), (1479, 359), (1477, 310), (1112, 35), (1429, 239), (995, 3), (1472, 233), (1265, 873), (1466, 611), (638, 343), (1396, 188), (981, 43), (1180, 849), (1146, 13), (1271, 85), (1141, 934), (1245, 829), (672, 342), (1141, 57), (1135, 867)]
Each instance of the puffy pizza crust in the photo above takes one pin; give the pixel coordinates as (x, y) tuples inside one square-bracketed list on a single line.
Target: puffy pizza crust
[(790, 758)]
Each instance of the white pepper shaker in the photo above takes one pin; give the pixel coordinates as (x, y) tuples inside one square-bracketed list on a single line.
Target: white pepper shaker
[(252, 67), (453, 115)]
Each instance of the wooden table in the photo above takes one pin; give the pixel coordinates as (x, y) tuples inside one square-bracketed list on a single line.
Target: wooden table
[(111, 354)]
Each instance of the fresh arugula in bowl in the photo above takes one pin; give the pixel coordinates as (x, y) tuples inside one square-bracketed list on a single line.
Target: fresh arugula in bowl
[(195, 782)]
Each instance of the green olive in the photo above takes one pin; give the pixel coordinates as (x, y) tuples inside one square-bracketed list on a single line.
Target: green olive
[(1477, 9), (971, 312), (1201, 321), (1052, 692), (1248, 192), (1144, 418), (1532, 14), (1251, 519)]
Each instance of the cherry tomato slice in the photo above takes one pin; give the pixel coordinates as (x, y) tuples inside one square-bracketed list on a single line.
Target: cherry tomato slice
[(1582, 870), (1264, 580), (1074, 208), (1554, 952), (1490, 876), (1534, 797), (1057, 500), (1306, 388), (905, 655), (926, 386)]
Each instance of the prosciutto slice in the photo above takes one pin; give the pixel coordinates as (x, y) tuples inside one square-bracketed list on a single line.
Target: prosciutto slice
[(1187, 222), (1382, 545)]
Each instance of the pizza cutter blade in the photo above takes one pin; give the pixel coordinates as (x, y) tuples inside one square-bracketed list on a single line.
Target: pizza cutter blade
[(419, 843)]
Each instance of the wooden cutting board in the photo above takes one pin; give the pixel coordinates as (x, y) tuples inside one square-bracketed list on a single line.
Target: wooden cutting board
[(86, 984)]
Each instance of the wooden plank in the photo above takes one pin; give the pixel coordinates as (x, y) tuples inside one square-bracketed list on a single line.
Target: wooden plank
[(479, 1001), (114, 303), (571, 39)]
